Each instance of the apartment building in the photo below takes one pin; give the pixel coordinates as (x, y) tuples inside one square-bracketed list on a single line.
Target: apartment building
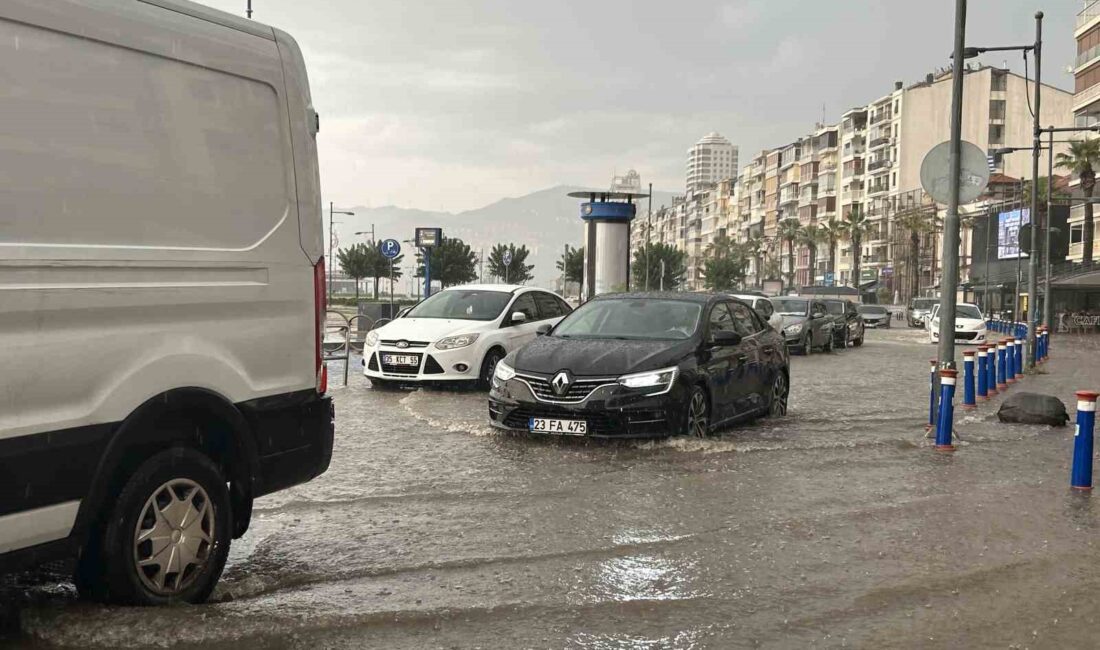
[(1086, 105), (710, 160)]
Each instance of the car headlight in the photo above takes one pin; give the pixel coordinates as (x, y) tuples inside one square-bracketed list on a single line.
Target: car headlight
[(372, 339), (503, 372), (455, 342), (659, 379), (793, 329)]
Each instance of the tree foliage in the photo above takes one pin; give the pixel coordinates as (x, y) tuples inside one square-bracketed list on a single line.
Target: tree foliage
[(788, 232), (1082, 159), (355, 262), (453, 262), (518, 271), (856, 225), (724, 264), (571, 265), (650, 257)]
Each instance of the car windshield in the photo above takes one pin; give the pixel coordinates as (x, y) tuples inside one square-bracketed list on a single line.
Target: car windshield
[(871, 309), (791, 306), (967, 311), (834, 308), (923, 303), (462, 304), (632, 319)]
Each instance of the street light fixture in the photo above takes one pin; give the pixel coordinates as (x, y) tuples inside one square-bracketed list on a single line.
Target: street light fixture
[(331, 236)]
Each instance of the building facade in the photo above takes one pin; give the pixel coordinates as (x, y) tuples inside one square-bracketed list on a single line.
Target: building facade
[(710, 160), (1086, 105)]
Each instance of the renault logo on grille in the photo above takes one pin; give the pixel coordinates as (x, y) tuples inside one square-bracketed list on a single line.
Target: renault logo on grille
[(402, 344), (561, 382)]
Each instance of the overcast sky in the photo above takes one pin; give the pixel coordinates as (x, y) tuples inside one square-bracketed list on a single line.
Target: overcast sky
[(453, 104)]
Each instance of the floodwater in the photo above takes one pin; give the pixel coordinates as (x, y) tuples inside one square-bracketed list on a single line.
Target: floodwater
[(837, 526)]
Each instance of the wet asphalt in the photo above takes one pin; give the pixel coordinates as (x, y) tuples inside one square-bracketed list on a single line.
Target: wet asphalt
[(836, 526)]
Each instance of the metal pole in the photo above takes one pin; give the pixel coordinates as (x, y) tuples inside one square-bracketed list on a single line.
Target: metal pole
[(1033, 260), (649, 226), (662, 274), (1048, 296), (249, 10), (391, 288), (950, 277), (427, 272)]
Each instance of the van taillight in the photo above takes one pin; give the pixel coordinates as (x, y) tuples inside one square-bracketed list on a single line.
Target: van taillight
[(320, 308)]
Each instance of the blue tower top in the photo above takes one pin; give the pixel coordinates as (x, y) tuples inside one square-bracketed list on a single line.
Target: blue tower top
[(608, 206)]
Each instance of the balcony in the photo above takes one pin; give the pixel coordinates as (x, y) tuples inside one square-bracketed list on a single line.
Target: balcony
[(1086, 15), (882, 116), (1086, 97), (828, 189), (852, 195), (877, 189), (1087, 55), (879, 142), (879, 165)]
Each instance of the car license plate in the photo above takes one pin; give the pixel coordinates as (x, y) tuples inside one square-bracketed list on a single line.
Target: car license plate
[(400, 360), (563, 427)]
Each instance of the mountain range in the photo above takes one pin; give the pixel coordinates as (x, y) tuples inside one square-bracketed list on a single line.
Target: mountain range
[(544, 221)]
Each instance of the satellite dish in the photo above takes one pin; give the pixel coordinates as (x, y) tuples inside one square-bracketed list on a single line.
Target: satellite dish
[(973, 172)]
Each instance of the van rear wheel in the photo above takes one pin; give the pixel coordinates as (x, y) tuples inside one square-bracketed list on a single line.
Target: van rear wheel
[(168, 535)]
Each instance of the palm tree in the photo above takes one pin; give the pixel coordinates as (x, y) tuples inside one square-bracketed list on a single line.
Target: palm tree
[(810, 236), (1082, 157), (788, 232), (855, 226), (832, 231), (918, 222), (756, 248)]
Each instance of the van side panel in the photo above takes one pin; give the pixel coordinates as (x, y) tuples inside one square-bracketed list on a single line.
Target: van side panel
[(149, 235), (307, 174)]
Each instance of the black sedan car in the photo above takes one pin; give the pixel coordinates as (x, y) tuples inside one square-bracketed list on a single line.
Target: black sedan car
[(644, 365), (847, 323)]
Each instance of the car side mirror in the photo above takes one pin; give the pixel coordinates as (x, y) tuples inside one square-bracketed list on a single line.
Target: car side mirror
[(518, 317), (724, 338), (543, 330)]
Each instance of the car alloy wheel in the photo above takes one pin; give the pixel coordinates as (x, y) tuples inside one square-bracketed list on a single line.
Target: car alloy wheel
[(828, 347), (697, 414), (173, 536), (780, 393), (488, 367)]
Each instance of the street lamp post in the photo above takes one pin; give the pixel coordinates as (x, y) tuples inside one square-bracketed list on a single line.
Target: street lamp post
[(1033, 260), (331, 238), (373, 241)]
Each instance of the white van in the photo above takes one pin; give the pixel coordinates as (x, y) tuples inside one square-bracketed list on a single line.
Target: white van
[(161, 289)]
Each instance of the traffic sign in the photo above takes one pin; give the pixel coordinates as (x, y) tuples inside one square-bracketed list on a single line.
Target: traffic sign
[(429, 237), (507, 257), (390, 248), (829, 278), (973, 172)]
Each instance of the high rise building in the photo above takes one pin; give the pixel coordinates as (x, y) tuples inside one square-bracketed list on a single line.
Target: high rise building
[(1086, 106), (710, 160)]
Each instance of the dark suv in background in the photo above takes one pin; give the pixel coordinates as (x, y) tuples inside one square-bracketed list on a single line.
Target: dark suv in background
[(847, 322), (875, 316)]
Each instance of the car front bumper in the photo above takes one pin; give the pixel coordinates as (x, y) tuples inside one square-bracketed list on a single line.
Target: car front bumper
[(610, 412), (876, 322), (968, 337), (433, 365)]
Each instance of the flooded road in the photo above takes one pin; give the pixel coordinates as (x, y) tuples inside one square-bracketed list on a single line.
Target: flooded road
[(836, 526)]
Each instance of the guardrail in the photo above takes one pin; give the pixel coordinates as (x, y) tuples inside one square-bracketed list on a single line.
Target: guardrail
[(342, 338)]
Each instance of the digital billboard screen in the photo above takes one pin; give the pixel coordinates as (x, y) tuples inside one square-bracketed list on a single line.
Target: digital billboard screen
[(1008, 233)]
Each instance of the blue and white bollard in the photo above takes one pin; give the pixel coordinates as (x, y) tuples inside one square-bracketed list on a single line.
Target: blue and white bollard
[(983, 372), (1018, 364), (931, 396), (1010, 361), (968, 380), (1081, 475), (946, 423), (991, 369), (1001, 356)]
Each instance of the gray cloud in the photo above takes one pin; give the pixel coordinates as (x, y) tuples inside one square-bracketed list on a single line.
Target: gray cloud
[(452, 104)]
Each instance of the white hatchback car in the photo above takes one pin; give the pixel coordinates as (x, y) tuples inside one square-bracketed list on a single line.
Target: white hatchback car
[(764, 307), (459, 334), (969, 324)]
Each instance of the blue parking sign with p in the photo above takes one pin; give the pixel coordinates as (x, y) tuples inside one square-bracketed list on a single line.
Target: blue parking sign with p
[(391, 248)]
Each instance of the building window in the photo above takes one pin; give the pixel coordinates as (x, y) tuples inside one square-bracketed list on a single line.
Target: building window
[(894, 180), (996, 134), (996, 109), (999, 82), (1076, 234)]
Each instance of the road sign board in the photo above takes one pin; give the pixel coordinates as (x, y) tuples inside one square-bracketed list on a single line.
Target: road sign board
[(390, 248), (973, 172), (829, 278), (507, 258), (429, 237)]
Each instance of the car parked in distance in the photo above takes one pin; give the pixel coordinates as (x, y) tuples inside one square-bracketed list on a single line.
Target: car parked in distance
[(806, 324), (459, 334), (763, 306), (875, 316), (644, 365), (970, 326), (919, 311), (847, 322)]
